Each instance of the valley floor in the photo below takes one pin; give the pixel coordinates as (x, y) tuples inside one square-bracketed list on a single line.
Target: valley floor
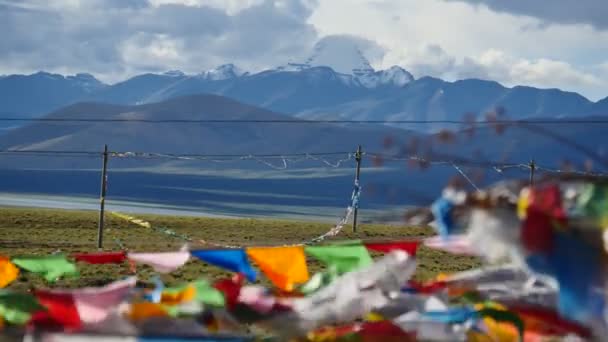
[(44, 231)]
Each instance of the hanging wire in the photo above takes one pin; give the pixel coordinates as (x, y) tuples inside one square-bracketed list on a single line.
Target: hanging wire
[(297, 121), (465, 176), (292, 158)]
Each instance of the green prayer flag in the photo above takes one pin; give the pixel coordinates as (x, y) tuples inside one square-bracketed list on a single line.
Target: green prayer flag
[(344, 258), (593, 201), (50, 267), (207, 294), (17, 308)]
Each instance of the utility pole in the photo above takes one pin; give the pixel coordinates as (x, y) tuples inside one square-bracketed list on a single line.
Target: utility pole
[(532, 166), (358, 157), (102, 199)]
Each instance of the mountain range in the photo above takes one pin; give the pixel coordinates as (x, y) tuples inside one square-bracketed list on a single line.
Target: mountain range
[(322, 87), (305, 91)]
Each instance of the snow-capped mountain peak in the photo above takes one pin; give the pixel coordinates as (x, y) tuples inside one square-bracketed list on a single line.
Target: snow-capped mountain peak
[(393, 76), (342, 55), (223, 72)]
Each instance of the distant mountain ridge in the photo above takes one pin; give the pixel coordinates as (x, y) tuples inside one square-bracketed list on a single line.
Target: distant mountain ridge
[(305, 91)]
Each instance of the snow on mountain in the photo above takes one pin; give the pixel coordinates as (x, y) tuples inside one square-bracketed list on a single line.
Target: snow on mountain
[(174, 73), (394, 76), (223, 72), (86, 81), (342, 55), (346, 58)]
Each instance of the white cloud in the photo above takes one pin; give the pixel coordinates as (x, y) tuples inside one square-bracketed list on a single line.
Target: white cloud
[(543, 72), (230, 6), (449, 39), (509, 43), (424, 60), (124, 37)]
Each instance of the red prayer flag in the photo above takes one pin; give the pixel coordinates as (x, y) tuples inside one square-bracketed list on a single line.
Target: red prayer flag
[(60, 311), (384, 331), (553, 323), (101, 258), (426, 288), (410, 247), (231, 288), (537, 232)]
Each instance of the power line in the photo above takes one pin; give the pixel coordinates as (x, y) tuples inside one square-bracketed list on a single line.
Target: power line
[(296, 121), (170, 155), (286, 158)]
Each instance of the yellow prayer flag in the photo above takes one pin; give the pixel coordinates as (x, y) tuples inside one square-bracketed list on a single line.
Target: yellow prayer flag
[(8, 272), (284, 266), (185, 295), (145, 310), (523, 202)]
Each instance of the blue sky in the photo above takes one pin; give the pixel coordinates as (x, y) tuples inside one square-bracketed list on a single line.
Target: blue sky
[(544, 43)]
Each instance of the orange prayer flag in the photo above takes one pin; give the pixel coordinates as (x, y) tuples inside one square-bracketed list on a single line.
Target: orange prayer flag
[(284, 266), (145, 310), (184, 295), (8, 271)]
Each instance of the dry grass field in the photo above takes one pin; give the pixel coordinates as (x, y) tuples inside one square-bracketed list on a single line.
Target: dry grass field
[(41, 231)]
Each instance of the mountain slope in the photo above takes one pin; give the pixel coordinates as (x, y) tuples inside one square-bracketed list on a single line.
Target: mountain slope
[(42, 92), (179, 138)]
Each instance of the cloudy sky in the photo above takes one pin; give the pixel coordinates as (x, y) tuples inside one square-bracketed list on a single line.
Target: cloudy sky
[(544, 43)]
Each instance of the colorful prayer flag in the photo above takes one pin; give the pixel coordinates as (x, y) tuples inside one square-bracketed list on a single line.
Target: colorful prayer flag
[(50, 267), (410, 247), (284, 266), (344, 258), (17, 308), (101, 258), (8, 271), (231, 259), (161, 262)]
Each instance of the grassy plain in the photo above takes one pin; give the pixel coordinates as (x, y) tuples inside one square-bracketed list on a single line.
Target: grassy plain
[(26, 231)]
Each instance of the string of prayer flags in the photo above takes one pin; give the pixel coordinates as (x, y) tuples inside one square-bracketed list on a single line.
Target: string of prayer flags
[(166, 262), (101, 258), (231, 259), (8, 271), (344, 258), (50, 267), (410, 247), (284, 266)]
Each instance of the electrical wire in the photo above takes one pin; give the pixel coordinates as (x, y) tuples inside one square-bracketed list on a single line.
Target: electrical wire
[(296, 121)]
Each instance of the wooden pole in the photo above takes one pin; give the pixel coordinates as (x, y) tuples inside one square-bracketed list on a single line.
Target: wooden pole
[(532, 169), (102, 199), (358, 157)]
